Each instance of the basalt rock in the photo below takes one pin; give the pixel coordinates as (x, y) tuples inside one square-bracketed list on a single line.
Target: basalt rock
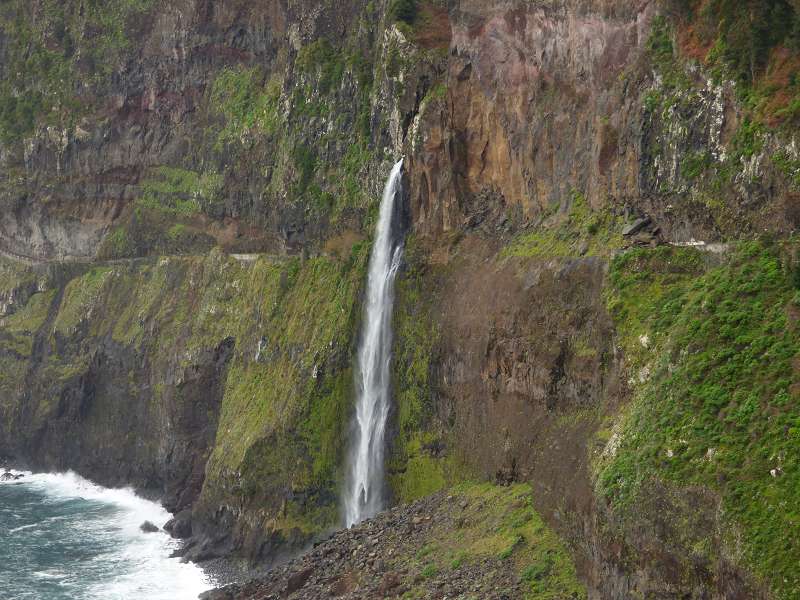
[(148, 527), (180, 526)]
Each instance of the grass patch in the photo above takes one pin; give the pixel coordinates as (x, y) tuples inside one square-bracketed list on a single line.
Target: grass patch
[(500, 523), (580, 231), (179, 192), (719, 405), (248, 105)]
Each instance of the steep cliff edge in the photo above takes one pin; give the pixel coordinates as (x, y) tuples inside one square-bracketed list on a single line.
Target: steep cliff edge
[(600, 289)]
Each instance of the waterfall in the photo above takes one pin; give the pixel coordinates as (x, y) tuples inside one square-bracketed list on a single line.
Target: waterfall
[(364, 492)]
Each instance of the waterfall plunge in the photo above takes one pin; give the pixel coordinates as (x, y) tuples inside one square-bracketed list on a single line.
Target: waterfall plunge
[(364, 494)]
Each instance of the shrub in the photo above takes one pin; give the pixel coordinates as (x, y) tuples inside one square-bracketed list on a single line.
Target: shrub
[(404, 11), (429, 571)]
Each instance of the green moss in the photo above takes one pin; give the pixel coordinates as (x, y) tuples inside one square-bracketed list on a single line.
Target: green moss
[(501, 523), (716, 400), (18, 330), (117, 244), (15, 275), (581, 230), (179, 192), (49, 57), (321, 58), (289, 387), (417, 467), (80, 298), (422, 473), (297, 396), (248, 105)]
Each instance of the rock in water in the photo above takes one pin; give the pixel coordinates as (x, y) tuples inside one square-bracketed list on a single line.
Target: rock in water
[(149, 527), (9, 476)]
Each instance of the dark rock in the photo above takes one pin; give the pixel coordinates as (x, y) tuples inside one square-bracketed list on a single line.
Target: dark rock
[(220, 594), (180, 526), (636, 226), (149, 527), (298, 580)]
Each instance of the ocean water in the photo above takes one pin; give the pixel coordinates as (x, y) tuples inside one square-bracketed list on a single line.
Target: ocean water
[(64, 538)]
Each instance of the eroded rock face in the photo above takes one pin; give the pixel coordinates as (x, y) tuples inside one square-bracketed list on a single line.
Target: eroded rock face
[(535, 108), (550, 98), (64, 189)]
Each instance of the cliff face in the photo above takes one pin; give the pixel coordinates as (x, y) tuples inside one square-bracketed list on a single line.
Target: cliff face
[(545, 329), (205, 125)]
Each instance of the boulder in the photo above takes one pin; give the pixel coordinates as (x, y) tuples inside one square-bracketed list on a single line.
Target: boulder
[(149, 527), (219, 594), (180, 526), (636, 226)]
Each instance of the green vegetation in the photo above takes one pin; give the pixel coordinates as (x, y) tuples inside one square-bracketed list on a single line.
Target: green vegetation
[(287, 397), (708, 177), (694, 164), (500, 523), (253, 117), (664, 56), (80, 297), (49, 56), (789, 166), (755, 43), (716, 401), (417, 466), (429, 571), (747, 32), (404, 11), (248, 105), (322, 58), (117, 244), (18, 329), (283, 418), (581, 231), (168, 215), (179, 192)]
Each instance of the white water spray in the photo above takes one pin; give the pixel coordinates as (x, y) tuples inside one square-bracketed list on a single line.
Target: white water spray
[(364, 494)]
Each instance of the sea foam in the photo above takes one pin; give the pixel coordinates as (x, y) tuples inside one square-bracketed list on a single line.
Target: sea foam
[(134, 564)]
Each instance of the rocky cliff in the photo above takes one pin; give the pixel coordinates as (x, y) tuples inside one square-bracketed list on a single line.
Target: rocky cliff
[(598, 298)]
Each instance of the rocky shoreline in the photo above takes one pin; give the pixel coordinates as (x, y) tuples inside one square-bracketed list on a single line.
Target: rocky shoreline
[(476, 542)]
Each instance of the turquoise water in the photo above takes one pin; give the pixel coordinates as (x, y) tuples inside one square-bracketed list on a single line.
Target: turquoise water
[(64, 538)]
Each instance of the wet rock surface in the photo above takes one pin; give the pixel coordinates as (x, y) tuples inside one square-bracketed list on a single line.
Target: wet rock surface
[(180, 526), (148, 527)]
